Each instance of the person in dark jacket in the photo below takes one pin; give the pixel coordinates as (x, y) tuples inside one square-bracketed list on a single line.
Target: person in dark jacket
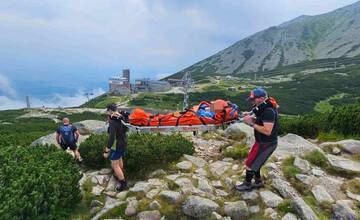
[(117, 131), (265, 121), (67, 136)]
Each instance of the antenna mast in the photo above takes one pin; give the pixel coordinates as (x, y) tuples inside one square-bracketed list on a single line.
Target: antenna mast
[(187, 83)]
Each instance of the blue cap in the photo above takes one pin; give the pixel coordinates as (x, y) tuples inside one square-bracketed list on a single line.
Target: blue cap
[(257, 93)]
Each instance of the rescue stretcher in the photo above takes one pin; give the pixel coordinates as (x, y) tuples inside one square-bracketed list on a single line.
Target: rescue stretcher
[(189, 120)]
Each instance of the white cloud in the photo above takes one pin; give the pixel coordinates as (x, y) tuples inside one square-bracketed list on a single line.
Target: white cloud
[(55, 101), (5, 86)]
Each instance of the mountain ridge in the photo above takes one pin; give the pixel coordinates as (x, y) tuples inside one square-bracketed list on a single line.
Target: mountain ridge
[(330, 35)]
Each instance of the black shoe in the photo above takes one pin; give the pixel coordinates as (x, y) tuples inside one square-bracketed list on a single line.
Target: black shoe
[(121, 186), (258, 184), (245, 186)]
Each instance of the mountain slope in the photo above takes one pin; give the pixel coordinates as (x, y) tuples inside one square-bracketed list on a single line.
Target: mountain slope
[(331, 35)]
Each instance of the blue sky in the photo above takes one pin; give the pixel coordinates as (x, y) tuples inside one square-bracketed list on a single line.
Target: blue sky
[(79, 44)]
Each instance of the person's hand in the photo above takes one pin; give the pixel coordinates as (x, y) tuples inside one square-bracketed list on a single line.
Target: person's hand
[(248, 119), (106, 153)]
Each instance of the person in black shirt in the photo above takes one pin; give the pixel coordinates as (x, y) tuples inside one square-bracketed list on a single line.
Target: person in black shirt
[(66, 136), (264, 119), (117, 130)]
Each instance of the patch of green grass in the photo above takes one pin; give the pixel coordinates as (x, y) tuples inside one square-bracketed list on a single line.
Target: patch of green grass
[(118, 211), (317, 158), (289, 169), (239, 151), (319, 211), (351, 185), (285, 207)]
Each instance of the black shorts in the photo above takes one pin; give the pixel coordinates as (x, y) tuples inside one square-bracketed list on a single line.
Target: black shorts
[(72, 146)]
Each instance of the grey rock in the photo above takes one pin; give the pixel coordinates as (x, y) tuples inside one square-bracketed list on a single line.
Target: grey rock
[(197, 161), (204, 185), (292, 144), (343, 163), (308, 180), (321, 195), (97, 190), (221, 193), (237, 210), (131, 208), (317, 172), (184, 165), (199, 207), (171, 196), (141, 186), (105, 171), (250, 195), (228, 159), (254, 209), (216, 184), (122, 195), (149, 215), (95, 203), (158, 183), (157, 173), (240, 129), (216, 216), (109, 204), (270, 199), (235, 167), (342, 210), (152, 193), (201, 172), (229, 183), (101, 179), (269, 212), (289, 216), (336, 151), (302, 164), (90, 126), (353, 196), (218, 168), (303, 209), (154, 205), (110, 193), (111, 184), (350, 146), (172, 177), (184, 183)]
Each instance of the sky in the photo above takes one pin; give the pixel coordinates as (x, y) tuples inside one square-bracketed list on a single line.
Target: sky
[(56, 48)]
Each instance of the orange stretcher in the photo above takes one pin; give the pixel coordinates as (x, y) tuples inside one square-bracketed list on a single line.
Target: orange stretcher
[(189, 120)]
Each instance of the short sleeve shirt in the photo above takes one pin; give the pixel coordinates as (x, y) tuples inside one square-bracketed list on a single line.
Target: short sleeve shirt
[(270, 115)]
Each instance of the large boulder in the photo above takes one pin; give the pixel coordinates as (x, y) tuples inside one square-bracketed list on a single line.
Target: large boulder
[(198, 207), (91, 126), (149, 215), (270, 199), (51, 139), (170, 196), (343, 163), (342, 210), (241, 129), (350, 146), (294, 145), (218, 168), (237, 210), (198, 161)]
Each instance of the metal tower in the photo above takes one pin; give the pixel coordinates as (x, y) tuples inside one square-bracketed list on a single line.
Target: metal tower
[(187, 85), (27, 102)]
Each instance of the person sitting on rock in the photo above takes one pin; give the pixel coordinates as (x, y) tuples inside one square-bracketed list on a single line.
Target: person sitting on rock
[(117, 130), (67, 136), (264, 119)]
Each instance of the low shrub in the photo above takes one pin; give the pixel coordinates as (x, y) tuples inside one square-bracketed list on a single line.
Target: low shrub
[(37, 183), (92, 149), (289, 169), (143, 151)]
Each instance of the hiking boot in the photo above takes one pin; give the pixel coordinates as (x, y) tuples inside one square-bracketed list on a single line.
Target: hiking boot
[(245, 186), (258, 184), (121, 186)]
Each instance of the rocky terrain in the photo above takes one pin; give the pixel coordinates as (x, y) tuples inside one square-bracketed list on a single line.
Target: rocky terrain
[(202, 185)]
